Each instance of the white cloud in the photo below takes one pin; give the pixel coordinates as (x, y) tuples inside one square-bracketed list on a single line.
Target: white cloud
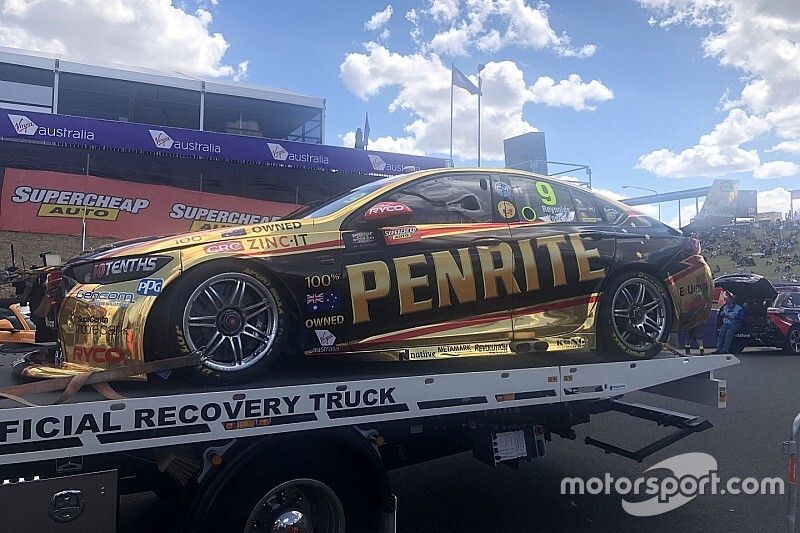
[(521, 25), (777, 199), (443, 10), (397, 145), (790, 147), (452, 42), (571, 92), (760, 38), (716, 153), (379, 19), (776, 169), (647, 209), (149, 33), (688, 212), (422, 82)]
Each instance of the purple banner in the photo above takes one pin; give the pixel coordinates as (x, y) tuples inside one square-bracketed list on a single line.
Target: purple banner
[(79, 131)]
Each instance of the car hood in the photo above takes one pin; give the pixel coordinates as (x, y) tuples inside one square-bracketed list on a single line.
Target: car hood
[(167, 243), (747, 287)]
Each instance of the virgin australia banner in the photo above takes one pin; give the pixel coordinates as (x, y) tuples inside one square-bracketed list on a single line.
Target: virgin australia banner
[(79, 131)]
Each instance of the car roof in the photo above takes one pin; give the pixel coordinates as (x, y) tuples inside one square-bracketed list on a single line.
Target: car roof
[(747, 286)]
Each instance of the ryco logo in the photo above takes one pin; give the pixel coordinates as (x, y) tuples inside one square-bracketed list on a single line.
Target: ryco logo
[(98, 355)]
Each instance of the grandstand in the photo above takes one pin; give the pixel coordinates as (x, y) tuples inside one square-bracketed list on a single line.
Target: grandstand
[(768, 248)]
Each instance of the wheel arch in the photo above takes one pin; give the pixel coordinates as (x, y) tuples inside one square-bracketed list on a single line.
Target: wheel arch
[(258, 266), (648, 268), (245, 453)]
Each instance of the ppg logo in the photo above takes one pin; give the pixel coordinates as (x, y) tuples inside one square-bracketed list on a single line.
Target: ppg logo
[(150, 286)]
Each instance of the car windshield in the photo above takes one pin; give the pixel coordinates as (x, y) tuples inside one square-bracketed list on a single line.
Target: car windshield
[(328, 206)]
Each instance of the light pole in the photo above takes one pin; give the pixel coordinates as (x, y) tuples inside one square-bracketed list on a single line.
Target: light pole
[(480, 93), (648, 190)]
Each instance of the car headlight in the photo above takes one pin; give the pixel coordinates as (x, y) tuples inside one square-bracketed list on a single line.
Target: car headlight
[(117, 269)]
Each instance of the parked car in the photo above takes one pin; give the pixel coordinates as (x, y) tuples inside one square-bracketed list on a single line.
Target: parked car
[(771, 316), (433, 264)]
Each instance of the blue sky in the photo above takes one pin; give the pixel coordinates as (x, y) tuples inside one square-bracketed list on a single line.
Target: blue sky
[(627, 87)]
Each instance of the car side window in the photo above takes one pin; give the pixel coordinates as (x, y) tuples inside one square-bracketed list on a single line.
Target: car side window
[(541, 200), (611, 213), (452, 199), (586, 208)]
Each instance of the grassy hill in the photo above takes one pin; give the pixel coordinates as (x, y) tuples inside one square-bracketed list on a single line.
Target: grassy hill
[(719, 251)]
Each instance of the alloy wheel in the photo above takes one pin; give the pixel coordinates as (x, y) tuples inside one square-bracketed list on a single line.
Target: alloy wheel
[(639, 314), (233, 317), (794, 341)]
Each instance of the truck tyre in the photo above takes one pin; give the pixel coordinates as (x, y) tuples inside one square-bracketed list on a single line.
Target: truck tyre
[(231, 312), (634, 308), (318, 490)]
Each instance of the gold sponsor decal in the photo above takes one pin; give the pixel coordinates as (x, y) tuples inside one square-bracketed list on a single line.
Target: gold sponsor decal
[(453, 274), (74, 211), (202, 225), (453, 350)]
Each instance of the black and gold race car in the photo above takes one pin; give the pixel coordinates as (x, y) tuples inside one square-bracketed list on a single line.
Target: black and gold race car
[(433, 264)]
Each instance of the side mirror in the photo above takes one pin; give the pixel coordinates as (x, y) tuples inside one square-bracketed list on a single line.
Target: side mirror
[(388, 213)]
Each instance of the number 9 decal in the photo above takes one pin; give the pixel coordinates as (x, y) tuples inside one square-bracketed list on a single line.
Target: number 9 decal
[(546, 192)]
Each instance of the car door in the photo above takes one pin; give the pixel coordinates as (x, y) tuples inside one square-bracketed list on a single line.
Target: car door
[(433, 275), (564, 249)]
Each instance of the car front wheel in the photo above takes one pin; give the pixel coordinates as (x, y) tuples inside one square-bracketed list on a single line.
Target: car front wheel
[(634, 316), (235, 318)]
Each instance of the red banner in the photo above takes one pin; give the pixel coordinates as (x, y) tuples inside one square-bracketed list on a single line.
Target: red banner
[(53, 202)]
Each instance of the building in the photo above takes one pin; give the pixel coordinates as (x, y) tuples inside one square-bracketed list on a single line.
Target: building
[(47, 84), (116, 152)]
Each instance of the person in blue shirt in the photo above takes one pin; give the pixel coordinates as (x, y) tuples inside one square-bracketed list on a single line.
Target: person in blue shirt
[(732, 319)]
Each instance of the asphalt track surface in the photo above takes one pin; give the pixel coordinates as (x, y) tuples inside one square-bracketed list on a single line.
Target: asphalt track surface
[(460, 494)]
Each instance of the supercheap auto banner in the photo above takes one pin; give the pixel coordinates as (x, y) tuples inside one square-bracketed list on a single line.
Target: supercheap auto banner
[(53, 202)]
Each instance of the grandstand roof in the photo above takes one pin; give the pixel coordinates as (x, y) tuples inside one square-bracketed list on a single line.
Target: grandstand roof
[(47, 60)]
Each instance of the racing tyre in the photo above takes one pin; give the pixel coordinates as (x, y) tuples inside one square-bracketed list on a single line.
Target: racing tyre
[(793, 341), (234, 314), (635, 311), (306, 490)]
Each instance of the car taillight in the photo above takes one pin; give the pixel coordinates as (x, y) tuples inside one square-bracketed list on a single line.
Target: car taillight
[(692, 246), (55, 291)]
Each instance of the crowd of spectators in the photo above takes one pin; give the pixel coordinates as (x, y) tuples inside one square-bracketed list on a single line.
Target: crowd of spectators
[(771, 249)]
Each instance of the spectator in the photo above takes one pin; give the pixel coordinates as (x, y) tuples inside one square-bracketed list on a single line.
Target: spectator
[(732, 319)]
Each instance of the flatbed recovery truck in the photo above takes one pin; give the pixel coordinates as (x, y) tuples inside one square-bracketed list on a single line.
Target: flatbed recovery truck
[(310, 450)]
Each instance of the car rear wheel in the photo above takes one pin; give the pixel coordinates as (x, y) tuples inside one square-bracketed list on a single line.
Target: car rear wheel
[(793, 341), (635, 316), (235, 317)]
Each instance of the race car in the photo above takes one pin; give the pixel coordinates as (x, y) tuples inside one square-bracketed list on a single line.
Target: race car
[(427, 265), (771, 314)]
